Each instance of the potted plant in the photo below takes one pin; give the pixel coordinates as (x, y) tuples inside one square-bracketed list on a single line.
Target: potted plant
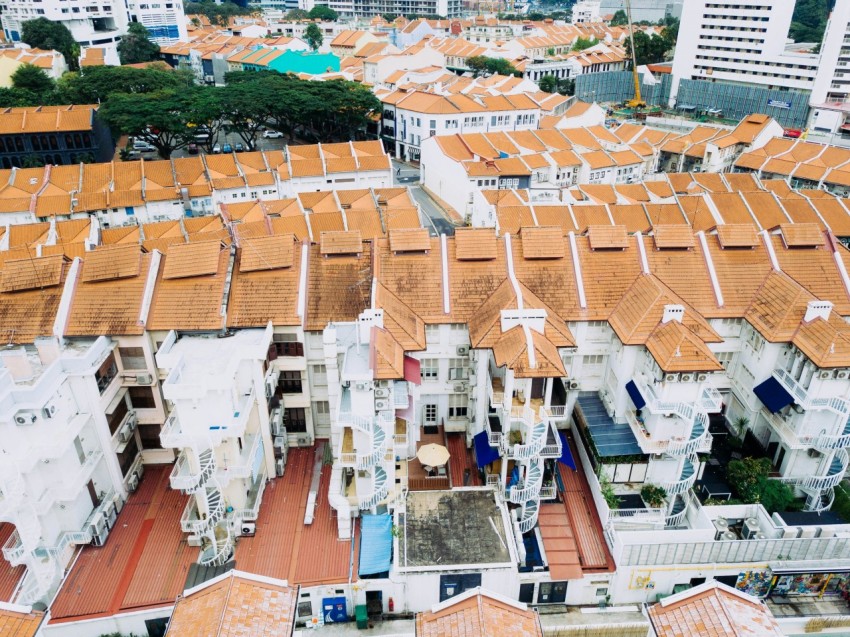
[(653, 495)]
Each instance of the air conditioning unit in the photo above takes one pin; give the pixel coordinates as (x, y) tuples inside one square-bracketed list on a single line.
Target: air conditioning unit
[(279, 467), (194, 541), (144, 379), (842, 374), (247, 529), (381, 405), (460, 387), (118, 502), (814, 453), (303, 441), (125, 434), (750, 528), (24, 418), (111, 515), (140, 471), (381, 392), (671, 377), (269, 390), (133, 483), (361, 386), (686, 378), (824, 375), (132, 422), (100, 538), (702, 378), (463, 350), (573, 384), (49, 410), (98, 524)]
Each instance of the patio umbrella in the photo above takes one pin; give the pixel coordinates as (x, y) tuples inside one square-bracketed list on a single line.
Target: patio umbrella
[(433, 455)]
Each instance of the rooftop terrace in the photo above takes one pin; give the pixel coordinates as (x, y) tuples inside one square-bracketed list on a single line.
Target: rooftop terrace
[(476, 535)]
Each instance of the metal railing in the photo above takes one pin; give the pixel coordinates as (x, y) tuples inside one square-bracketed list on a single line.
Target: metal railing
[(182, 477), (69, 488), (711, 400), (13, 549), (821, 483), (681, 485), (379, 490), (836, 405), (556, 412)]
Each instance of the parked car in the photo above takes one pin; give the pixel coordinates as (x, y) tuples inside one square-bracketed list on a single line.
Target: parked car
[(217, 149), (227, 148), (272, 134), (142, 146), (192, 148), (793, 133), (238, 147)]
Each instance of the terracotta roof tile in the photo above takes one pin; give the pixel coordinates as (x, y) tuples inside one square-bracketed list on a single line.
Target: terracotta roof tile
[(673, 237), (112, 262), (343, 242), (339, 288), (20, 624), (410, 240), (478, 616), (191, 259), (30, 274), (542, 243), (802, 235), (737, 235), (475, 244), (267, 253), (677, 349), (607, 237)]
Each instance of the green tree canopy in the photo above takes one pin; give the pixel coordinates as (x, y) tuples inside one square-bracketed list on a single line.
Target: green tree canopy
[(160, 118), (749, 479), (620, 18), (808, 22), (649, 50), (42, 33), (583, 43), (480, 64), (136, 46), (323, 12), (313, 35), (218, 14), (28, 77), (296, 14), (97, 83), (548, 83)]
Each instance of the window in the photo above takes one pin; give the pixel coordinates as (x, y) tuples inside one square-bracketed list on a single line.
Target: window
[(107, 371), (114, 419), (132, 357), (320, 374), (294, 420), (142, 397), (128, 456), (149, 435), (458, 369), (430, 413), (552, 593), (458, 406), (724, 358), (432, 333), (430, 369), (287, 345), (322, 412), (289, 383)]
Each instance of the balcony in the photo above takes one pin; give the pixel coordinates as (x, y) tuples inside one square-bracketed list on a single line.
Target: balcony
[(70, 487), (241, 466), (556, 413), (379, 490), (836, 405), (552, 448), (834, 474), (711, 401), (13, 549)]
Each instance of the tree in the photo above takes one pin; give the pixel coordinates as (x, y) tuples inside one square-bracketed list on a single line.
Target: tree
[(548, 83), (205, 110), (136, 45), (745, 476), (648, 50), (323, 12), (583, 43), (97, 83), (480, 64), (217, 14), (160, 118), (28, 77), (808, 22), (313, 35), (296, 14), (245, 106), (620, 18), (41, 33)]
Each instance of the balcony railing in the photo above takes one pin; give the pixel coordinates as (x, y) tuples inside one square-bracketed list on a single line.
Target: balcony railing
[(686, 479), (836, 405), (711, 400), (13, 549), (556, 412), (70, 486)]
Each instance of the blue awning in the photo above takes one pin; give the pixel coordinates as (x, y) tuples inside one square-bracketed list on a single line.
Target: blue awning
[(484, 453), (566, 455), (635, 395), (376, 544), (773, 394)]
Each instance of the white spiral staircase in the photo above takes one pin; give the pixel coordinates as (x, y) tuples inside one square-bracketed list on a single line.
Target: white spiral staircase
[(820, 490), (379, 489), (202, 484)]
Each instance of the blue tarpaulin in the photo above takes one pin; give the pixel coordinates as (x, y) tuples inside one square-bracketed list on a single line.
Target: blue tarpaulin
[(635, 395), (484, 453), (376, 544), (566, 455), (773, 394)]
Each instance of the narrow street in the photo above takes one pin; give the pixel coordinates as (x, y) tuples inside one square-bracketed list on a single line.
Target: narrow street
[(434, 218)]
